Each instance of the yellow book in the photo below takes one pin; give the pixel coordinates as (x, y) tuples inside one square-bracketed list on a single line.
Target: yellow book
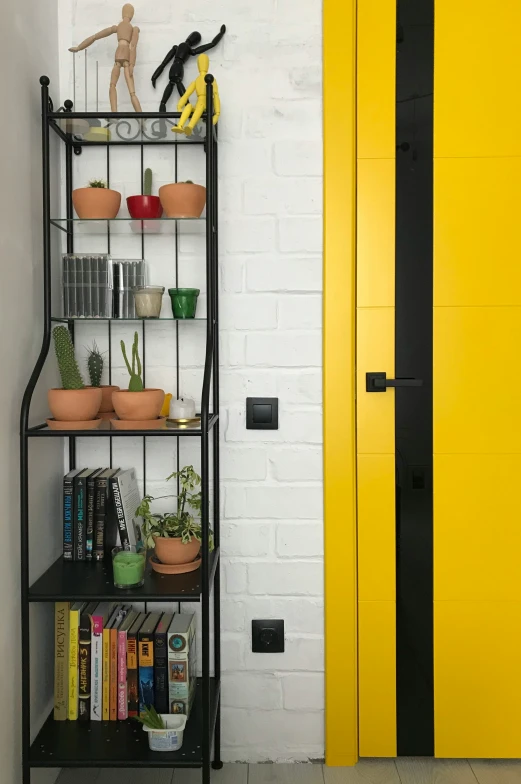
[(106, 675), (74, 629), (61, 659)]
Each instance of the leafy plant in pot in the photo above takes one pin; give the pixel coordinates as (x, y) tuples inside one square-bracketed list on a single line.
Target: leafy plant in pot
[(97, 202), (177, 535), (145, 207), (75, 406), (95, 365), (136, 404), (183, 199)]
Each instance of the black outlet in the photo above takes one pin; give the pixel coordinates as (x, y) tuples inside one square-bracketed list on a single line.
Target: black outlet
[(267, 636)]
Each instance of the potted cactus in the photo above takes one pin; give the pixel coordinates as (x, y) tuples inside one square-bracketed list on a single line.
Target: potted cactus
[(145, 207), (75, 404), (183, 199), (136, 405), (97, 202), (95, 364)]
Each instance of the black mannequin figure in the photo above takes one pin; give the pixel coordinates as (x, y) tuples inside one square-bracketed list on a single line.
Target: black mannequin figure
[(180, 53)]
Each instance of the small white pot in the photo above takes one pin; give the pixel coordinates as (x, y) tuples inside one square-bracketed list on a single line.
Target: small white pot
[(170, 739)]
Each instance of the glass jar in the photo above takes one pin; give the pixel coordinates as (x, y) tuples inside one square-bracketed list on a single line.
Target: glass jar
[(148, 301), (128, 566)]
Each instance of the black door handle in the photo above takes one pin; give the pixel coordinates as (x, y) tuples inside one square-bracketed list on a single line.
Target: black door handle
[(378, 382)]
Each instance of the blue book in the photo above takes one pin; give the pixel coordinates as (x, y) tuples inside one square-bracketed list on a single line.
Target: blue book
[(68, 514), (146, 661)]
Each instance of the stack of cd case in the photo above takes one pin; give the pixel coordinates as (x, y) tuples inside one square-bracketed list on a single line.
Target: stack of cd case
[(98, 286)]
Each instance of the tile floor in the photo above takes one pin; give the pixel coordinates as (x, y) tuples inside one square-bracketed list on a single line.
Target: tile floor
[(401, 771)]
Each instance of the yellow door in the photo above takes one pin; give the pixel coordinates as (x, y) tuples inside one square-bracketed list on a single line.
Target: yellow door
[(439, 241)]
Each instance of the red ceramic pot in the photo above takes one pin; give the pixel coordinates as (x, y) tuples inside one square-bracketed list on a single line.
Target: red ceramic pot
[(144, 207)]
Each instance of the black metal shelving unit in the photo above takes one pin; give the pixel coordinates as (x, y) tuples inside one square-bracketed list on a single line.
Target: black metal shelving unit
[(123, 744)]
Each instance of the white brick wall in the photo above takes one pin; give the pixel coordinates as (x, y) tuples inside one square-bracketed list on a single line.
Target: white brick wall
[(270, 166)]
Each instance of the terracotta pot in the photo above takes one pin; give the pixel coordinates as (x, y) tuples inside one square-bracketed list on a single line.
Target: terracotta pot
[(144, 207), (182, 199), (136, 406), (106, 397), (92, 203), (74, 405), (173, 551)]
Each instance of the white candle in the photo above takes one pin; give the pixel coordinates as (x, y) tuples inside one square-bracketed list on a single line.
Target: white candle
[(184, 408)]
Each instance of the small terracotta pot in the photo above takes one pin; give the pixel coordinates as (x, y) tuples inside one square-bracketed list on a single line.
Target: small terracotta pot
[(96, 203), (144, 207), (173, 551), (106, 397), (137, 406), (74, 405), (182, 199)]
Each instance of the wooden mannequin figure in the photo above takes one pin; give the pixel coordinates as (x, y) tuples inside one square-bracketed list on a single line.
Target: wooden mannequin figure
[(125, 55), (199, 87)]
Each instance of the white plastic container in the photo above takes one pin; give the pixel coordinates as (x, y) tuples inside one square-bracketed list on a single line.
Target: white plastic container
[(170, 739)]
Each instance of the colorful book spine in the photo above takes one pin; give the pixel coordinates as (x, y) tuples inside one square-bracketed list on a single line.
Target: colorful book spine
[(74, 627), (79, 516), (114, 678), (84, 680), (122, 694), (99, 619), (100, 510), (89, 534), (146, 661), (161, 664), (68, 515), (105, 701), (132, 667), (120, 514), (61, 660)]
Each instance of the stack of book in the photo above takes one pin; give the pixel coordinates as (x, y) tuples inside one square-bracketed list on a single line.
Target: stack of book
[(99, 512), (112, 662)]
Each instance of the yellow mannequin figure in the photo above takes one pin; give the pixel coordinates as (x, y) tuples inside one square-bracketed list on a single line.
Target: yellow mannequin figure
[(199, 87)]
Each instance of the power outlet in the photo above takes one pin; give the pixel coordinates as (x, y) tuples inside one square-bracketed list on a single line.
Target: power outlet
[(267, 636)]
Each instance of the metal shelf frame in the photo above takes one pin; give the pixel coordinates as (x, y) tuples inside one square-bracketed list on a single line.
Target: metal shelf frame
[(204, 727)]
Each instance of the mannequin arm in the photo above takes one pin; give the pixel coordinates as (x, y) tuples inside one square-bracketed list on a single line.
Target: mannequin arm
[(184, 99), (90, 40), (206, 47), (216, 104), (160, 68), (133, 48)]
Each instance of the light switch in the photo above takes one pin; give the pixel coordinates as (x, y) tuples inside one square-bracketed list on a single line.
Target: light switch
[(262, 413)]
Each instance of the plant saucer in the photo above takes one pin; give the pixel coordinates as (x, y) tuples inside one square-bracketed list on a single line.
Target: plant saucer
[(162, 568), (61, 424), (184, 424), (141, 424)]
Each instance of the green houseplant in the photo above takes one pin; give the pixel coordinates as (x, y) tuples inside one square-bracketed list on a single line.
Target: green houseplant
[(137, 404), (97, 202), (95, 364), (177, 535), (74, 402), (146, 206)]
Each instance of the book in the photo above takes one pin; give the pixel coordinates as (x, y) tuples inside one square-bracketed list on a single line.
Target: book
[(74, 629), (68, 514), (89, 533), (146, 661), (108, 638), (127, 498), (80, 513), (111, 521), (99, 619), (182, 662), (84, 654), (119, 710), (101, 491), (61, 659), (132, 666), (161, 695)]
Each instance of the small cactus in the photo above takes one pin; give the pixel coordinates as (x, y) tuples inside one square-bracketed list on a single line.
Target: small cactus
[(147, 183), (97, 184), (95, 365), (69, 370), (136, 382)]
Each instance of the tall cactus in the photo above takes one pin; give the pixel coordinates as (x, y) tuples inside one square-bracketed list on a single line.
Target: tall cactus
[(136, 382), (95, 365), (147, 183), (69, 370)]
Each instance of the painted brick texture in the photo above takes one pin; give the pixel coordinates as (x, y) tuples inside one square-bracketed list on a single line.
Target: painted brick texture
[(270, 245)]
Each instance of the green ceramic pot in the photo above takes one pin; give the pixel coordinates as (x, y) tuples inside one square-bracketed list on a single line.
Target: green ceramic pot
[(184, 302)]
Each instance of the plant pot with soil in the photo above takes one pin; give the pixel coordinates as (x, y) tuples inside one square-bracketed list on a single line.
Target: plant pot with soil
[(176, 536), (137, 404), (95, 363), (183, 199), (74, 404), (145, 207), (97, 202)]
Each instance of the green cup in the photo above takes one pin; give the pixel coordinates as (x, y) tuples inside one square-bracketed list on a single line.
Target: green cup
[(184, 302)]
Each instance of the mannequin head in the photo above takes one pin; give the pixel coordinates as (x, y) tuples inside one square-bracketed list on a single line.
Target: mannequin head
[(194, 38), (127, 11), (203, 63)]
